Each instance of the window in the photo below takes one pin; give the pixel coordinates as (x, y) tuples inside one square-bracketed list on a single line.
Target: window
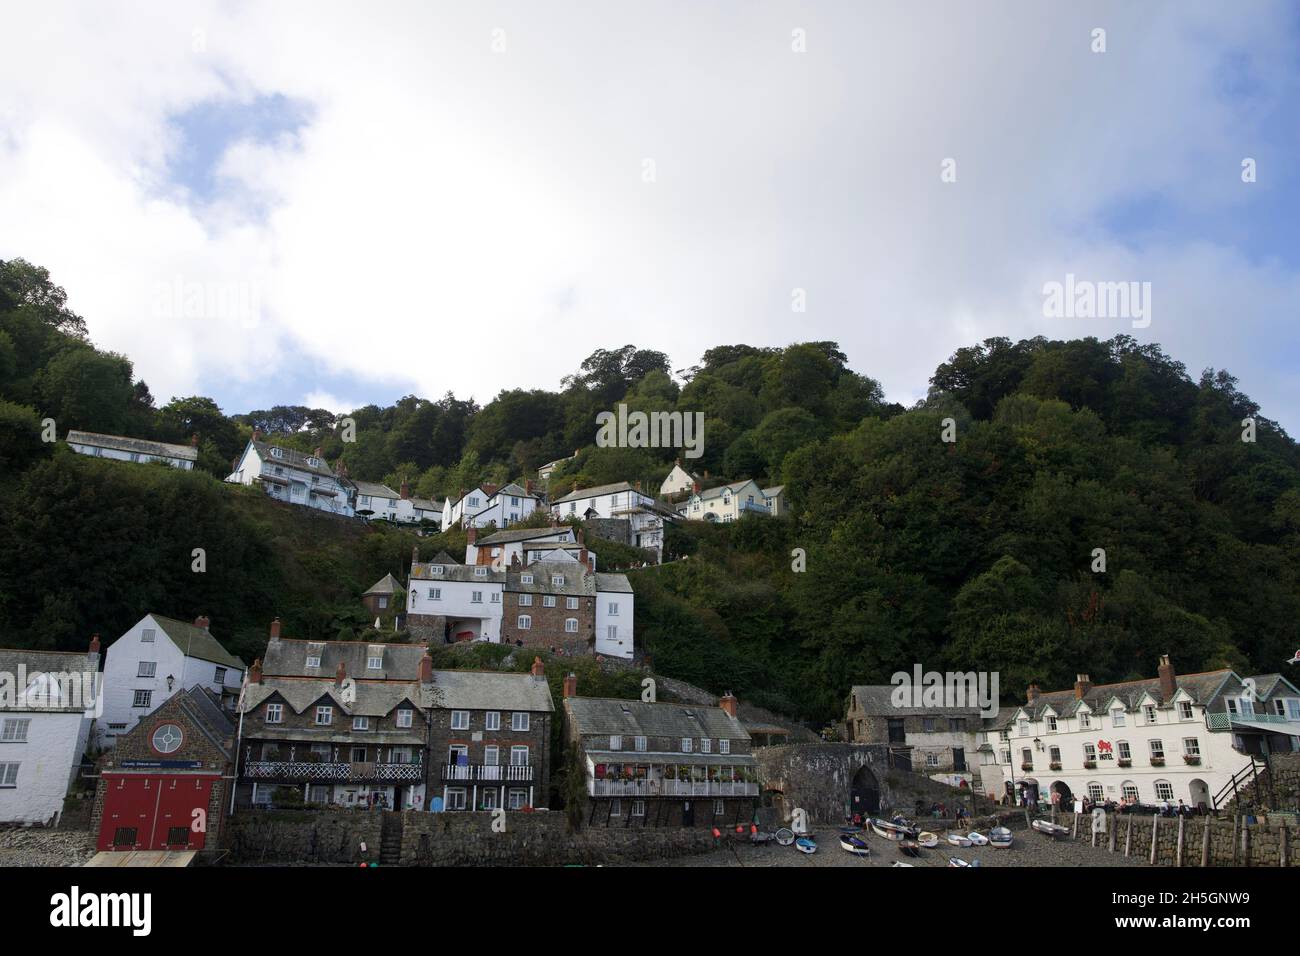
[(493, 720), (519, 756), (1129, 791), (8, 775), (167, 739), (615, 742), (1089, 753), (525, 622), (1191, 747), (557, 580), (1149, 713), (613, 609), (571, 625), (687, 745), (957, 724), (496, 597), (1184, 710), (525, 600), (404, 716), (931, 759), (1122, 750), (491, 756), (1004, 735), (14, 730), (548, 600), (142, 698), (571, 603), (147, 669), (927, 725), (365, 501), (487, 799), (1117, 718), (1096, 793), (374, 663), (519, 720), (639, 744), (1023, 728), (435, 594), (456, 798), (518, 799), (724, 746), (460, 720), (1027, 757), (1157, 750), (1054, 754), (611, 633), (219, 675), (435, 570), (324, 715), (1247, 707), (1006, 756), (1164, 790), (1085, 720), (148, 635), (473, 501), (314, 652), (360, 723), (1292, 708), (1051, 723), (277, 453), (706, 745), (638, 808), (525, 578), (719, 807), (480, 572), (274, 713)]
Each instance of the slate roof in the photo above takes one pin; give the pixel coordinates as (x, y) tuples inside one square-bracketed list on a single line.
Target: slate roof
[(637, 718), (456, 572), (575, 581), (579, 494), (194, 641), (293, 458), (696, 759), (734, 487), (426, 504), (375, 489), (613, 583), (517, 491), (44, 662), (877, 700), (492, 690), (774, 490), (442, 557), (386, 585), (1202, 688), (288, 657), (206, 713), (523, 534), (140, 446), (374, 698)]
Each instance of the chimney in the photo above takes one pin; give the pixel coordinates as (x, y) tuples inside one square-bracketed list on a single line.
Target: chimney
[(514, 560), (341, 469), (677, 462), (194, 441), (1031, 695), (728, 703), (415, 555), (1168, 682), (319, 452), (257, 434), (471, 535), (255, 672), (275, 630), (538, 669), (202, 621), (1082, 684), (528, 485), (426, 668), (582, 556), (94, 644), (695, 487), (406, 489), (555, 521), (706, 473), (580, 537), (638, 484), (571, 685), (340, 674)]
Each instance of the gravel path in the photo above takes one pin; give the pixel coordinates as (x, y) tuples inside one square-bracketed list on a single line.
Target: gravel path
[(37, 847), (1030, 848)]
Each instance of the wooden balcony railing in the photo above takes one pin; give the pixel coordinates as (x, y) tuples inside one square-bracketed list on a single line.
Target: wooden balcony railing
[(301, 770)]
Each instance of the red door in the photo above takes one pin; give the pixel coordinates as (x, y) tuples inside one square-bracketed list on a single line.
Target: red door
[(148, 812)]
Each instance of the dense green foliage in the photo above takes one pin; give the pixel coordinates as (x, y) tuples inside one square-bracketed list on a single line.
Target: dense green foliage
[(977, 553)]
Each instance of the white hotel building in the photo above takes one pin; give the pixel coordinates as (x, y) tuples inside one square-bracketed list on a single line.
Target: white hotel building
[(1174, 738)]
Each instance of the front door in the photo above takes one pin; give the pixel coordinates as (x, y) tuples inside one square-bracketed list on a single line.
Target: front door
[(959, 758), (688, 814)]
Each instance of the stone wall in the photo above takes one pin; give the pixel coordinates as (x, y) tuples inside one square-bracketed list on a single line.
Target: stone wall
[(449, 839)]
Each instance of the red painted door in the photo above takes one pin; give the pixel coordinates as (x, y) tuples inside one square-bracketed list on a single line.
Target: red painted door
[(148, 812)]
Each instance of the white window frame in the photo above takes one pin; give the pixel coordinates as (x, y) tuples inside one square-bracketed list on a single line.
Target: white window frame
[(688, 745), (570, 625), (525, 622), (520, 721), (147, 669), (492, 720), (460, 720), (274, 714), (404, 718), (15, 729), (324, 715), (724, 746)]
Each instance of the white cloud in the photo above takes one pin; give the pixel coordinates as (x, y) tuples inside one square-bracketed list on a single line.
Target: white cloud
[(455, 218)]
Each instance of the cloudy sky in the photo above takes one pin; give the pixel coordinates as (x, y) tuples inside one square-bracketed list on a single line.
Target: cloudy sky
[(337, 204)]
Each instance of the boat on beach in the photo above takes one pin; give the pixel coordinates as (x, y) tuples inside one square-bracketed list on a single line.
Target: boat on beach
[(977, 839), (806, 844), (1053, 830), (1000, 838), (855, 845), (958, 839), (927, 839), (909, 848), (785, 836), (892, 831)]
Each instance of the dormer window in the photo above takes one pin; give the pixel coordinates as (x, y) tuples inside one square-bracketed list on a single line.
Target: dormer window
[(1051, 722), (313, 462), (314, 652), (374, 659), (277, 453), (1117, 718), (525, 579), (557, 580), (1184, 710), (480, 572), (435, 570), (1085, 720)]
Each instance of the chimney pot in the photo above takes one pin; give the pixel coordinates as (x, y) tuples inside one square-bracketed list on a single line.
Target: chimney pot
[(340, 674), (426, 668), (255, 672), (728, 703), (538, 668), (275, 629), (94, 643), (194, 441), (1168, 679), (1031, 694), (202, 621), (571, 685)]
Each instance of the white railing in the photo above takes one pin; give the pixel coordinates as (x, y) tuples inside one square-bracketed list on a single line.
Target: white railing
[(670, 788), (308, 770), (506, 772)]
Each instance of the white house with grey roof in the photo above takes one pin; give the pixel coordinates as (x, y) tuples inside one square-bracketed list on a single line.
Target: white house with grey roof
[(156, 658), (503, 549), (120, 448), (374, 500), (287, 474), (727, 502), (47, 708), (488, 504), (621, 500)]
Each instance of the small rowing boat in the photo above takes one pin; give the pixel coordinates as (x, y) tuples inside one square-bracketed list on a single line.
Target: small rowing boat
[(855, 845), (785, 836), (1050, 828), (1000, 838), (891, 831), (977, 839), (901, 863), (958, 839), (806, 845), (909, 848), (927, 839), (956, 861)]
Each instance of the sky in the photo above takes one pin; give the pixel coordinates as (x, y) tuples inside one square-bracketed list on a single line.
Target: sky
[(336, 204)]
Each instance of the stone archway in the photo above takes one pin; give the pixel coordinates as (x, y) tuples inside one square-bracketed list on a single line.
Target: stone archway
[(1062, 796), (1200, 793), (864, 793)]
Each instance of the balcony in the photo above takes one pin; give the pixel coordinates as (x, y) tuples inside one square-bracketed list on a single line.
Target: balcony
[(670, 788), (306, 770), (1226, 721), (492, 774)]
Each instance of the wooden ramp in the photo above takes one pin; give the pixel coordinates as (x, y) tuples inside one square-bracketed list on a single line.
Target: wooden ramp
[(142, 858)]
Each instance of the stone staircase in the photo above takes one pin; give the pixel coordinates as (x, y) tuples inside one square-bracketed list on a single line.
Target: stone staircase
[(390, 839)]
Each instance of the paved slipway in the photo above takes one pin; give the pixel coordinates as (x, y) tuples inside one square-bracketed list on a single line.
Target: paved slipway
[(38, 847), (1029, 849)]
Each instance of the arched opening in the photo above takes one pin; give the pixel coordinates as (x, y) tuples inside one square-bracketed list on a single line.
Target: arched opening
[(864, 794), (1200, 793), (1062, 796)]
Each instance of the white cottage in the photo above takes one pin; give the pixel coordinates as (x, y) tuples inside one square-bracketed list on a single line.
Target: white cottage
[(286, 474), (139, 450), (47, 707), (158, 657)]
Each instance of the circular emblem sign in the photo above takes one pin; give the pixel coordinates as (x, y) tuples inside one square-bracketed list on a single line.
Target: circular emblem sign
[(167, 739)]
